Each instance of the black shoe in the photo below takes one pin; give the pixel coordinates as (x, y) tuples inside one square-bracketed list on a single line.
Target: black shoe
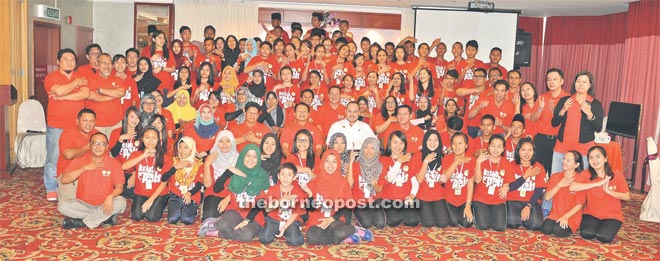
[(70, 223), (113, 220)]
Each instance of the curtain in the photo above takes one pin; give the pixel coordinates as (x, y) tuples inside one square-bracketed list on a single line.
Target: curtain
[(533, 73), (227, 16), (640, 74)]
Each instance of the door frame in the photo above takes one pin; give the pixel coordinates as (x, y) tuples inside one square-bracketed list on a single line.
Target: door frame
[(46, 25)]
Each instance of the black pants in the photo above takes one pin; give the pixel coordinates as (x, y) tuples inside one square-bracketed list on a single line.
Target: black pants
[(292, 234), (551, 227), (229, 220), (128, 192), (396, 213), (433, 213), (544, 149), (210, 207), (489, 216), (155, 212), (514, 220), (602, 229), (334, 234), (346, 213), (177, 210), (456, 216), (370, 217)]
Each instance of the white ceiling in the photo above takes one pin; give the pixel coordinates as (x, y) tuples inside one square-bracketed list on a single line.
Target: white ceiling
[(534, 8)]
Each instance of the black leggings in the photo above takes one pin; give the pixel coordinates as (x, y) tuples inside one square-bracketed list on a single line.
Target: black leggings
[(334, 234), (155, 212), (226, 223), (602, 229), (292, 234), (128, 192), (408, 215), (346, 213), (433, 213), (551, 227), (514, 220), (544, 149), (456, 216), (489, 216), (210, 208), (368, 217)]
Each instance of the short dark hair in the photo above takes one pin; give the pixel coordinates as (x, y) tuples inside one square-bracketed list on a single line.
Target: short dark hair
[(519, 118), (296, 29), (405, 106), (515, 71), (117, 57), (472, 43), (276, 16), (487, 117), (183, 28), (342, 40), (389, 44), (318, 15), (86, 110), (288, 165), (132, 50), (455, 123), (496, 49), (481, 70), (516, 155), (343, 21), (209, 27), (301, 104), (500, 82), (94, 45), (252, 105), (61, 52), (453, 73), (296, 25)]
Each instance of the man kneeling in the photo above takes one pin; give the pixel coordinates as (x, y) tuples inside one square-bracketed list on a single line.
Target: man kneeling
[(100, 182)]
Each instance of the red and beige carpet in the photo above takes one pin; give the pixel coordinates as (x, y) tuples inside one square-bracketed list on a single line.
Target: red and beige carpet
[(30, 229)]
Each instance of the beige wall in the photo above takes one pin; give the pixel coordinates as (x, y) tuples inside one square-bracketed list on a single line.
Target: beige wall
[(113, 26)]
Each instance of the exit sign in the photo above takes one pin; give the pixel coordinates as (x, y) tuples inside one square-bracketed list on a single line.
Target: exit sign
[(44, 11)]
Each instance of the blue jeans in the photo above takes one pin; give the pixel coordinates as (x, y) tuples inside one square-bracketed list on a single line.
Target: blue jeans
[(557, 158), (52, 154)]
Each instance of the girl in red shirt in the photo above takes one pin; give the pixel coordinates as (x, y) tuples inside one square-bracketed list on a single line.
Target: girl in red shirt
[(605, 189), (303, 157), (366, 113), (423, 87), (399, 182), (146, 169), (459, 179), (522, 206), (204, 85), (166, 59), (359, 71), (124, 139), (432, 203), (317, 64), (383, 68), (183, 82), (348, 94), (372, 91), (385, 117), (362, 177), (167, 144), (492, 175), (566, 214), (527, 106), (223, 157), (339, 65), (399, 62), (397, 88)]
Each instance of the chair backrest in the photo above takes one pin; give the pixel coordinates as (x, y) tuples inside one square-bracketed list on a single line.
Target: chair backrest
[(651, 146), (31, 117)]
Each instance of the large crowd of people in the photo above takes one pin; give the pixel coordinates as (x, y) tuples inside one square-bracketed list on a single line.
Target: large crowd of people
[(316, 132)]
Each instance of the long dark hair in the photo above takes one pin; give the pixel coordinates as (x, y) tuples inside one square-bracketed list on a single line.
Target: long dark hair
[(399, 134), (310, 151), (523, 102), (383, 108), (591, 91), (402, 88), (405, 54), (159, 147), (608, 169), (163, 133), (420, 88), (178, 82), (516, 156), (149, 71), (199, 73), (166, 50), (124, 122), (438, 151)]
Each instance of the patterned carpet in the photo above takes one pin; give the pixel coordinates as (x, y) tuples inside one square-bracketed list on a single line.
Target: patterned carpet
[(30, 229)]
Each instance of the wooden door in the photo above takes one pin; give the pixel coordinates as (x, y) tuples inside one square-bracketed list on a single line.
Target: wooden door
[(84, 37), (46, 46)]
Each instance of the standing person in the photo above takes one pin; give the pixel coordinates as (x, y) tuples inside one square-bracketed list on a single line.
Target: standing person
[(432, 203), (605, 189), (566, 214), (528, 106), (131, 96), (222, 158), (189, 50), (472, 95), (144, 77), (362, 177), (164, 58), (105, 91), (467, 67), (100, 183), (92, 52), (522, 206), (546, 138), (132, 56), (354, 130), (146, 170), (494, 58), (67, 91), (459, 176)]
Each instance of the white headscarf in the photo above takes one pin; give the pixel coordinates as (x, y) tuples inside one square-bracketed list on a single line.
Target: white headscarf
[(224, 159)]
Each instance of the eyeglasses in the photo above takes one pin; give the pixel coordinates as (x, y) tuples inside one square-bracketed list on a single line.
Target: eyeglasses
[(302, 140), (98, 144), (480, 76), (149, 103)]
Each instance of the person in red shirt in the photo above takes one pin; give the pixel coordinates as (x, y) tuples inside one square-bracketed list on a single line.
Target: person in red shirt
[(208, 56), (398, 89), (513, 137), (276, 21), (450, 110), (338, 65), (479, 145), (492, 176), (454, 125), (448, 92), (265, 62), (432, 203), (284, 218), (458, 177), (146, 169), (496, 105), (319, 88), (202, 130), (526, 104), (92, 52), (399, 181), (457, 52), (99, 184), (440, 65), (67, 91), (217, 166), (125, 139), (466, 68), (132, 57), (522, 206), (546, 137), (164, 58), (203, 85), (302, 121), (385, 118), (105, 91), (423, 86), (495, 57), (605, 189), (131, 96), (471, 96), (189, 50), (514, 77), (363, 175), (399, 62), (566, 214), (332, 111), (494, 75), (250, 131), (413, 133)]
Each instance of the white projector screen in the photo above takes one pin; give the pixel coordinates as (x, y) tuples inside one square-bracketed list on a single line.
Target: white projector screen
[(495, 29)]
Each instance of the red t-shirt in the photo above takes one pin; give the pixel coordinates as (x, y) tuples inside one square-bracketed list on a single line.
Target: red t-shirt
[(504, 112), (405, 68), (212, 58), (503, 70), (548, 111), (524, 193), (414, 136), (510, 149), (95, 185), (564, 201), (203, 96), (471, 101), (336, 76), (289, 133), (148, 176), (63, 114), (287, 95), (166, 81), (494, 177), (476, 144), (162, 61), (202, 144), (430, 187), (86, 69), (329, 115), (401, 186), (132, 96), (571, 137), (600, 204), (468, 79), (530, 126), (273, 66), (284, 212), (259, 130), (127, 147), (71, 138), (106, 112), (456, 186), (177, 189), (297, 68)]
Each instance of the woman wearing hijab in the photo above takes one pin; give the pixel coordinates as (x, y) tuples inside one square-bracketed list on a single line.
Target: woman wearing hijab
[(181, 109), (241, 220), (147, 109), (229, 81), (432, 203), (223, 156), (145, 79), (237, 114), (272, 113), (203, 130), (251, 50), (231, 51), (324, 226), (256, 86), (363, 178), (271, 156), (338, 143)]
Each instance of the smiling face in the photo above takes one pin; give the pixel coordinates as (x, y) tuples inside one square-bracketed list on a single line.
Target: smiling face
[(397, 145), (133, 119), (224, 144), (184, 150), (597, 160), (251, 159), (339, 145), (526, 152), (150, 139), (433, 142), (496, 147), (86, 122), (458, 145), (570, 162), (285, 177), (330, 164), (269, 146), (98, 145), (369, 152), (302, 141)]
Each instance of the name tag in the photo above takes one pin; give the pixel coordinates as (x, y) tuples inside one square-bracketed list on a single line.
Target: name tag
[(491, 190), (457, 191)]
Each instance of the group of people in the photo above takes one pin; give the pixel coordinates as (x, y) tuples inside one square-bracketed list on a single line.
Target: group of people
[(270, 136)]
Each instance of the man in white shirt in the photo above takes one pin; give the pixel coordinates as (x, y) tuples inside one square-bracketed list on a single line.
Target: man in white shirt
[(355, 131)]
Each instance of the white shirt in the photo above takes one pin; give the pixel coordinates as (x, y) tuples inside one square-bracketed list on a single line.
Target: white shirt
[(355, 135)]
